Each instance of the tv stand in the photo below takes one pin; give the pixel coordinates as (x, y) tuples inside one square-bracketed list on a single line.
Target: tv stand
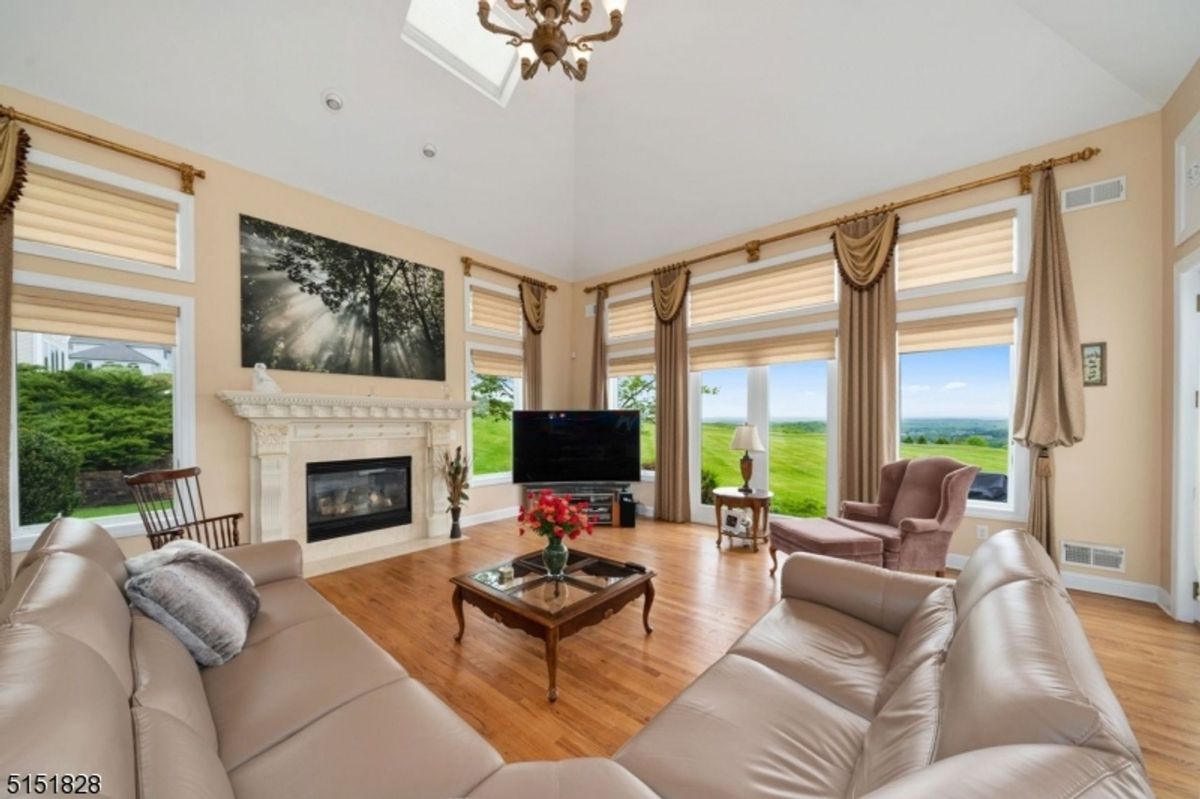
[(603, 498)]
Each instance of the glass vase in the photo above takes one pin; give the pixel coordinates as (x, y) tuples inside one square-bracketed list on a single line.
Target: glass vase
[(554, 557)]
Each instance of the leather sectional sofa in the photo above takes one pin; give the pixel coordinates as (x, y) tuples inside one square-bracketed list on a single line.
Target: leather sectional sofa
[(860, 682)]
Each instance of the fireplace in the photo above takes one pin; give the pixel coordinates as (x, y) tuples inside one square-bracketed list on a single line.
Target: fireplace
[(357, 496)]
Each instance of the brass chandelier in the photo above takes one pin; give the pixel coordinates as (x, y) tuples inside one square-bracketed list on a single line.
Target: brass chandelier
[(549, 43)]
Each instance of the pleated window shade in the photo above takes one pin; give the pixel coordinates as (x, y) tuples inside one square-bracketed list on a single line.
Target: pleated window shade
[(630, 318), (496, 364), (958, 332), (784, 288), (491, 310), (631, 365), (39, 310), (980, 247), (69, 212), (764, 351)]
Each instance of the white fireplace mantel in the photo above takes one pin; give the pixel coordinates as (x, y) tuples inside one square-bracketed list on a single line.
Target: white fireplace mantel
[(287, 431)]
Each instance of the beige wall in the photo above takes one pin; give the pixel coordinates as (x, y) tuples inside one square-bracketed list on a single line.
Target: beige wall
[(1108, 486), (1176, 114), (223, 441)]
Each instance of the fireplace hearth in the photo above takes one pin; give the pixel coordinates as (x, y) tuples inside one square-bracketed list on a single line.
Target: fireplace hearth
[(357, 496)]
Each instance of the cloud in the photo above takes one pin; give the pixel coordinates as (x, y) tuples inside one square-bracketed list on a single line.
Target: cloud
[(954, 386), (916, 389)]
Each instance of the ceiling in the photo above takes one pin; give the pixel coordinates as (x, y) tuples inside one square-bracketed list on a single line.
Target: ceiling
[(693, 125)]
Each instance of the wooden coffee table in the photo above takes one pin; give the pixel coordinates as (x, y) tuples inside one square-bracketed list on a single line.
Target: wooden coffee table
[(593, 589)]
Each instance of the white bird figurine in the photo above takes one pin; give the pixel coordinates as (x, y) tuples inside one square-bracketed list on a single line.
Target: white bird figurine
[(263, 382)]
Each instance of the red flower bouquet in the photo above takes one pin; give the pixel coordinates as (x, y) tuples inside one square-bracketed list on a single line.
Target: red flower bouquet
[(555, 517)]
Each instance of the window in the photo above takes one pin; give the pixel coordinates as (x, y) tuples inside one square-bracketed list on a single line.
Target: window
[(798, 440), (983, 246), (724, 404), (496, 391), (457, 42), (98, 396), (639, 392), (802, 284), (74, 212), (956, 388), (494, 311)]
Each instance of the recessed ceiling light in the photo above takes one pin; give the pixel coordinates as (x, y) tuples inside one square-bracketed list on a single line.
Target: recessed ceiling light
[(429, 151), (332, 100)]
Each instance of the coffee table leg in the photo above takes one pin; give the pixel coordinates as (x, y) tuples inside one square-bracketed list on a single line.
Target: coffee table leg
[(552, 664), (646, 603), (458, 612)]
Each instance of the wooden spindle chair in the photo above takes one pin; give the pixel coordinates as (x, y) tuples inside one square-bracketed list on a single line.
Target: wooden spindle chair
[(171, 506)]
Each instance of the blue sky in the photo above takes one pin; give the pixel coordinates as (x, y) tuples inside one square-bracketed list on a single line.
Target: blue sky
[(964, 383)]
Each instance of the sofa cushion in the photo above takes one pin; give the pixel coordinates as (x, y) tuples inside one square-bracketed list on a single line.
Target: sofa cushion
[(743, 729), (166, 678), (61, 710), (581, 778), (903, 736), (1006, 557), (1031, 770), (926, 634), (284, 604), (275, 688), (173, 761), (835, 655), (71, 595), (80, 537), (1020, 661), (396, 741)]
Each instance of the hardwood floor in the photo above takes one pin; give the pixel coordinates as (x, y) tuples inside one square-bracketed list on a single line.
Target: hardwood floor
[(613, 677)]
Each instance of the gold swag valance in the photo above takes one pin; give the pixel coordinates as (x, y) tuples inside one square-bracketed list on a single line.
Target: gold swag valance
[(14, 149), (533, 305), (668, 288), (864, 247)]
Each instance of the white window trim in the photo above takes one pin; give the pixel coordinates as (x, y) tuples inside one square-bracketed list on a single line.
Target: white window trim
[(185, 220), (648, 475), (1021, 205), (183, 393), (495, 478), (1017, 507), (443, 57), (508, 291)]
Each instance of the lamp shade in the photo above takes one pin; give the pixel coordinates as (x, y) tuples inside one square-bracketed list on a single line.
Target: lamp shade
[(745, 437)]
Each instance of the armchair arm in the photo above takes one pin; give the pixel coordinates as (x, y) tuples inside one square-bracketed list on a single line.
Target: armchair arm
[(861, 511), (268, 562), (883, 598), (914, 526)]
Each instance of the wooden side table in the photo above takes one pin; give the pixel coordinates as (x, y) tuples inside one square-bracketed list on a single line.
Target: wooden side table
[(759, 503)]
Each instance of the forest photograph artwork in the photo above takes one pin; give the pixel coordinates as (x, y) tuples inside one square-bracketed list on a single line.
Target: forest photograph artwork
[(312, 304)]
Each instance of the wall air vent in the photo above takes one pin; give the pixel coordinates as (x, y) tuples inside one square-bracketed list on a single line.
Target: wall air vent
[(1093, 556), (1093, 194)]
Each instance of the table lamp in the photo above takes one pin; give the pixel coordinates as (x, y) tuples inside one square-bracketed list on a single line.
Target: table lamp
[(745, 438)]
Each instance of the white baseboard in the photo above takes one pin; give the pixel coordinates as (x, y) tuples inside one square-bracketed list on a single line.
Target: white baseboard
[(1096, 584), (497, 515), (1163, 600)]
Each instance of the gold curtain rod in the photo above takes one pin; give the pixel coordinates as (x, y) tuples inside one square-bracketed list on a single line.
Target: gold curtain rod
[(752, 248), (187, 172), (470, 263)]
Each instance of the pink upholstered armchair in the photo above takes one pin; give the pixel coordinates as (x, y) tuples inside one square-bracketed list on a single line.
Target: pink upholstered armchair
[(921, 503)]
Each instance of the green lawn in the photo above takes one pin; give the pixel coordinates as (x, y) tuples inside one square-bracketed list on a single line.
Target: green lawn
[(105, 510), (798, 459)]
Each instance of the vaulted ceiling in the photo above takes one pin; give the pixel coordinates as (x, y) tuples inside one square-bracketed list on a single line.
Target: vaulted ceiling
[(698, 122)]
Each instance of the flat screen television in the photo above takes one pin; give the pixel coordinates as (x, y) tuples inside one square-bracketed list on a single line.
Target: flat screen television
[(576, 446)]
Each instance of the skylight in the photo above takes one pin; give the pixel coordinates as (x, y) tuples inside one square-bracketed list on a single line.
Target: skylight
[(449, 32)]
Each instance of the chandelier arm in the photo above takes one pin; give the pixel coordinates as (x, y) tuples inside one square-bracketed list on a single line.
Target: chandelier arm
[(529, 68), (584, 13), (520, 5), (575, 72), (485, 12), (610, 34)]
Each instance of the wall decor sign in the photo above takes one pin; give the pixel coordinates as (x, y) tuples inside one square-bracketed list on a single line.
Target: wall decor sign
[(312, 304), (1187, 181), (1095, 364)]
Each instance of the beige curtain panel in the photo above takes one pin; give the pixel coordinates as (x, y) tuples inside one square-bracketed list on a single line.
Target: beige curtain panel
[(672, 495), (1050, 410), (866, 353), (533, 304), (598, 399), (864, 249), (14, 150)]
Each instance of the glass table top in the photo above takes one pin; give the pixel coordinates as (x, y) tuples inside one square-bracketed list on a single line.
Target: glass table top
[(585, 577)]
